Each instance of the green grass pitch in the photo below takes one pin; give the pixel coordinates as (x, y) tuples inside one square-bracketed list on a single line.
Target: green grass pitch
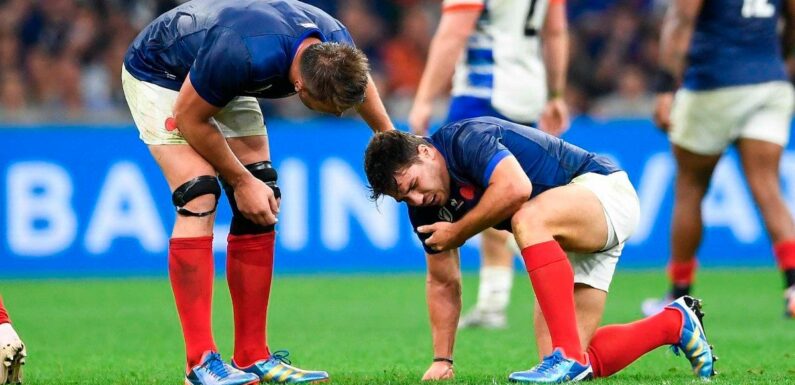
[(370, 329)]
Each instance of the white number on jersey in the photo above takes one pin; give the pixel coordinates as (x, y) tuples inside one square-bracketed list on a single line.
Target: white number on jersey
[(758, 8)]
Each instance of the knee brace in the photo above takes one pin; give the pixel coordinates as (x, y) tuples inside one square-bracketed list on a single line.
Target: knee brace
[(190, 190), (240, 225)]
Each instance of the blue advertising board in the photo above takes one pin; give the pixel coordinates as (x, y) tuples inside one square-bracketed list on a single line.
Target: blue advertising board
[(90, 201)]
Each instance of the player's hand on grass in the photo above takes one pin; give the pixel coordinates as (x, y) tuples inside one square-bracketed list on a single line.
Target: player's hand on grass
[(662, 110), (439, 371), (444, 236), (555, 117), (420, 117), (256, 201)]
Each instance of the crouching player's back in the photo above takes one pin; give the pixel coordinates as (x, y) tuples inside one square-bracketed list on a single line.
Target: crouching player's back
[(570, 211)]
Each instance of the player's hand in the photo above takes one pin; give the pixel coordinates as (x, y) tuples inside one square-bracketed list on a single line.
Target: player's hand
[(420, 117), (555, 117), (439, 371), (662, 110), (444, 236), (256, 201)]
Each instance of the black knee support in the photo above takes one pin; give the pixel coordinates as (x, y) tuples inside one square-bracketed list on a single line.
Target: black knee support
[(240, 225), (190, 190)]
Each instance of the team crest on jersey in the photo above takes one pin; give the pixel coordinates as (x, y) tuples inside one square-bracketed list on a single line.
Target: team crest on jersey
[(171, 124)]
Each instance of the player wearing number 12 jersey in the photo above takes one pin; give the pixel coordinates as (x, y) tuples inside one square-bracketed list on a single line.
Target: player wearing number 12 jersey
[(734, 91)]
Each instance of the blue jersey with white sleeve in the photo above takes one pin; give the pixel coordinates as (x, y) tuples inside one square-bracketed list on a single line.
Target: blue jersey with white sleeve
[(472, 148), (735, 43), (230, 48)]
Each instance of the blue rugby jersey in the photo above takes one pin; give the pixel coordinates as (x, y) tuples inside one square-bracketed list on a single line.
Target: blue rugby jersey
[(735, 42), (230, 47), (472, 148)]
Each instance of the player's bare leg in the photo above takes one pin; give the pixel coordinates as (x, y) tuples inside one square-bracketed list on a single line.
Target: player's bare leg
[(494, 286), (568, 218), (191, 261), (693, 176), (760, 161), (12, 350)]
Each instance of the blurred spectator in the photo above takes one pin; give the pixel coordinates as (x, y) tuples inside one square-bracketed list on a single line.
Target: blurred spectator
[(631, 99), (60, 59)]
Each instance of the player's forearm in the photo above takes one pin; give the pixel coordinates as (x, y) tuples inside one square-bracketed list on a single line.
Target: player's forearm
[(555, 38), (445, 49), (208, 141), (443, 294), (498, 203), (372, 110), (677, 30)]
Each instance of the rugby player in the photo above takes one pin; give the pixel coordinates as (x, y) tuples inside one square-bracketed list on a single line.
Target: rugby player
[(191, 79), (725, 56), (511, 63), (570, 212)]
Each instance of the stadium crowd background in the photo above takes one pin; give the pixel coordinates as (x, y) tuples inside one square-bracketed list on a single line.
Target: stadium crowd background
[(60, 59)]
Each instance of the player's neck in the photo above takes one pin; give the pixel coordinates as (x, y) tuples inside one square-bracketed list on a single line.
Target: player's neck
[(295, 67)]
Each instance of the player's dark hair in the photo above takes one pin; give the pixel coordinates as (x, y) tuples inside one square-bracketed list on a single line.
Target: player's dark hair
[(387, 154), (336, 73)]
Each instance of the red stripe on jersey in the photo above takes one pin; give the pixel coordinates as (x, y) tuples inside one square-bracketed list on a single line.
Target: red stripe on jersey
[(463, 7)]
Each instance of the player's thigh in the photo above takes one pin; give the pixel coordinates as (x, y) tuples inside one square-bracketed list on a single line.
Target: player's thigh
[(760, 160), (707, 122), (594, 212), (693, 169), (570, 214)]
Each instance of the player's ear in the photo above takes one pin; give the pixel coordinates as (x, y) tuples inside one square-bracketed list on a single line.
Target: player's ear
[(423, 151)]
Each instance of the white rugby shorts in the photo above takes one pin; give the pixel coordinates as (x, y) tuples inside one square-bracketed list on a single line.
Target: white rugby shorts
[(152, 108)]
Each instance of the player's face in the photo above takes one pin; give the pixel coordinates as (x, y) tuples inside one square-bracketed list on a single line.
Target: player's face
[(426, 183)]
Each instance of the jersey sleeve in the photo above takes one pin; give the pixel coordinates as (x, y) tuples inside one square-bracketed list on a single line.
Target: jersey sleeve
[(420, 216), (222, 67), (461, 5), (477, 151)]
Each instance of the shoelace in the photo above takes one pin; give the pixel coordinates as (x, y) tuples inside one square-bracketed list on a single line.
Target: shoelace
[(549, 362), (281, 355), (216, 366)]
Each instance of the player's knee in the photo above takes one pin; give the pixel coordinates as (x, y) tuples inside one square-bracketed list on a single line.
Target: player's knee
[(240, 225), (197, 197), (530, 219)]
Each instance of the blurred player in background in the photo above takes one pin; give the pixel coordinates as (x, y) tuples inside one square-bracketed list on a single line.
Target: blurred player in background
[(12, 350), (512, 57), (569, 210), (191, 79), (734, 91)]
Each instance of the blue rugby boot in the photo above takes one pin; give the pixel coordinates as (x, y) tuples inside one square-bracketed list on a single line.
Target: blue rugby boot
[(277, 369), (693, 341), (212, 370), (554, 369)]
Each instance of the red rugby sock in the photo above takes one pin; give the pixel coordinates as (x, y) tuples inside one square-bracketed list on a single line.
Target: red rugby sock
[(249, 270), (190, 268), (785, 254), (553, 283), (4, 318), (682, 273), (614, 347)]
